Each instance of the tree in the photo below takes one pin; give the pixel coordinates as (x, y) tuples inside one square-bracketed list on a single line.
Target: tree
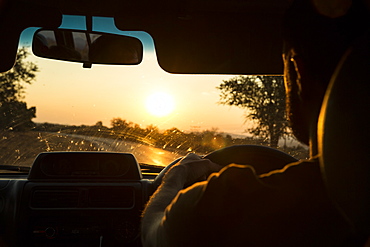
[(151, 134), (173, 138), (99, 124), (118, 124), (14, 114), (264, 97)]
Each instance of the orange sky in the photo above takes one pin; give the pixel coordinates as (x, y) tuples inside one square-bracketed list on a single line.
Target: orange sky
[(66, 93)]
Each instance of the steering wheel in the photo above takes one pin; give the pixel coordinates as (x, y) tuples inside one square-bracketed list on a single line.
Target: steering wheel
[(263, 159)]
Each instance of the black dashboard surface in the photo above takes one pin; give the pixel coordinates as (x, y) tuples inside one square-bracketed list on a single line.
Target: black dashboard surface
[(74, 199), (85, 166)]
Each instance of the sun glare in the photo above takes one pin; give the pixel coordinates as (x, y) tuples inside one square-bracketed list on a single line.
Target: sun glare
[(160, 104)]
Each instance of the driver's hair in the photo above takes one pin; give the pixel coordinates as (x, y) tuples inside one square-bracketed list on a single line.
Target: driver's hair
[(320, 40)]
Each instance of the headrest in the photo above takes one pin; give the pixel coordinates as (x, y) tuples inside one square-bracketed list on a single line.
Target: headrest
[(344, 135)]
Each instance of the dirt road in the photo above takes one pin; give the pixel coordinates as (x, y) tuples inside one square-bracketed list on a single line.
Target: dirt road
[(143, 153)]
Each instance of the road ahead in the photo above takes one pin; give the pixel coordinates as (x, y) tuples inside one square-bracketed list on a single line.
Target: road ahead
[(143, 153)]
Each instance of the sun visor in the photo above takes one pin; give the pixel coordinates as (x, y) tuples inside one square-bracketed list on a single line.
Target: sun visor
[(11, 26), (212, 42)]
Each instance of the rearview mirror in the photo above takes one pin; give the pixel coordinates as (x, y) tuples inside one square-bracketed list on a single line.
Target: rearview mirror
[(87, 47)]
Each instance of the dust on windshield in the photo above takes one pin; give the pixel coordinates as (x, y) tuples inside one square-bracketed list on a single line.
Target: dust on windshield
[(48, 105)]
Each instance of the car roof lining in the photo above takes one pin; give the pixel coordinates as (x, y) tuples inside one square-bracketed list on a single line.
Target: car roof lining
[(191, 36)]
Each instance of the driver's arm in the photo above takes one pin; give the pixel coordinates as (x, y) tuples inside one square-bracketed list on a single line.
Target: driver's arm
[(188, 171), (235, 207)]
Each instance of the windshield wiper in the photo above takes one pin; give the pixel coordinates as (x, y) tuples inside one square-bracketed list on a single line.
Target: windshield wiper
[(147, 169), (24, 169)]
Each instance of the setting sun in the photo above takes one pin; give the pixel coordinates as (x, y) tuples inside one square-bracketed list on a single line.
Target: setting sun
[(160, 104)]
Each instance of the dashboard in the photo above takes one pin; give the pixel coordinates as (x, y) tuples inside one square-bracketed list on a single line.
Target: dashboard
[(75, 199)]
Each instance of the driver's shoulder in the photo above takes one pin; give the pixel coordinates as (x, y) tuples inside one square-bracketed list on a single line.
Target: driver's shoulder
[(295, 174), (303, 176), (239, 185)]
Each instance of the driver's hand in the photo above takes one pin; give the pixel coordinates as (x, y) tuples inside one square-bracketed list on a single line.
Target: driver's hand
[(194, 168)]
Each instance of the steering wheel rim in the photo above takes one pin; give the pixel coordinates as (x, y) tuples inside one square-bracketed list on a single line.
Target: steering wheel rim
[(263, 159)]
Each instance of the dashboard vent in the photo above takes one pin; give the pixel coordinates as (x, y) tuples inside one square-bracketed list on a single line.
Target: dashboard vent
[(112, 197), (55, 199)]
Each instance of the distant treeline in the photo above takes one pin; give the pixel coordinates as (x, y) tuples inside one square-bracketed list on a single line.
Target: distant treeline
[(173, 139)]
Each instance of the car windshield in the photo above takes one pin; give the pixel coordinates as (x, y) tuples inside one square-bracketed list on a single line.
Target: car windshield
[(49, 105)]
